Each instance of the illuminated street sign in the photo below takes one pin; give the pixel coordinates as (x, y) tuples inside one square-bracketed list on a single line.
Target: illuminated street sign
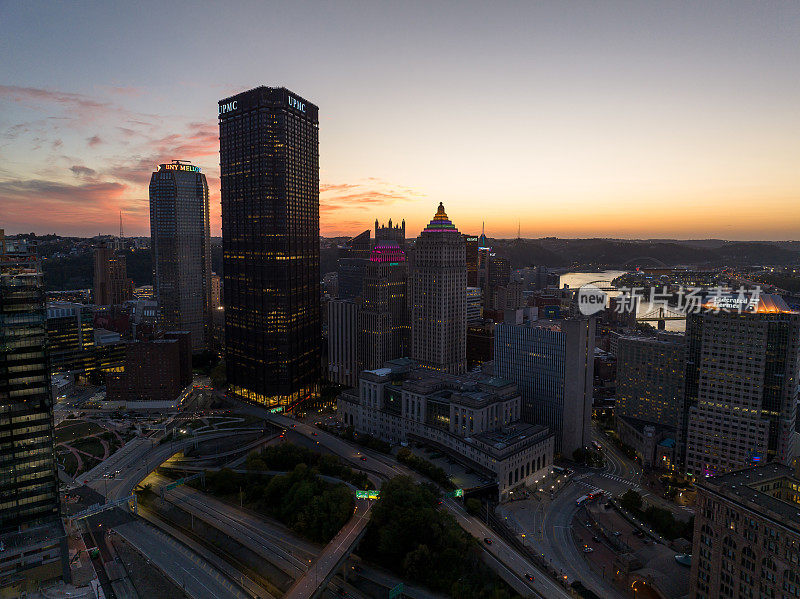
[(370, 494)]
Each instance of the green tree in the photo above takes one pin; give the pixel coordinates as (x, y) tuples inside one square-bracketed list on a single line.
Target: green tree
[(631, 501), (473, 506)]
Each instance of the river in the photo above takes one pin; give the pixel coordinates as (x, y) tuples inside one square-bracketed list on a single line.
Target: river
[(577, 279)]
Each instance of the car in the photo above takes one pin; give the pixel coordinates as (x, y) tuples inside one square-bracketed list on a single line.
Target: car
[(529, 577), (363, 458), (596, 539), (313, 433), (616, 533), (487, 540), (587, 549)]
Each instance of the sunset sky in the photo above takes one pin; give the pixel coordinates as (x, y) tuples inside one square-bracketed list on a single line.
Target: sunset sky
[(577, 119)]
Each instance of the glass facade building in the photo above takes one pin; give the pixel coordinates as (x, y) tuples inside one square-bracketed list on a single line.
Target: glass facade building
[(552, 362), (181, 246), (269, 169), (28, 482)]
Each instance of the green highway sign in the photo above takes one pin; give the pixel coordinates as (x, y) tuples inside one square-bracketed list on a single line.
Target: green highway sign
[(371, 494), (276, 410), (456, 493), (396, 591)]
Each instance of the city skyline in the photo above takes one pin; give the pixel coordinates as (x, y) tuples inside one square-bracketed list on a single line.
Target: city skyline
[(575, 121)]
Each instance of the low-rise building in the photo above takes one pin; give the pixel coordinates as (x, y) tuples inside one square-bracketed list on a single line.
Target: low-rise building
[(473, 417)]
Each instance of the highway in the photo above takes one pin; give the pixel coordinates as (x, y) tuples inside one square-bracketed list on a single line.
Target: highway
[(508, 556), (387, 468), (178, 563), (250, 531)]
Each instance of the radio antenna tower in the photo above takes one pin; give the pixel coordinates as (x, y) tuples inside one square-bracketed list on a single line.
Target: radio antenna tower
[(121, 233)]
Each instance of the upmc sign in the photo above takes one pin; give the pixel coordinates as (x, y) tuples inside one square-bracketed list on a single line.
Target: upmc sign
[(229, 107), (295, 103)]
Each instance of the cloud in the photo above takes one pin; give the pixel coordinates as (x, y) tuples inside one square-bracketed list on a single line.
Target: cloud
[(370, 193), (33, 94), (38, 205), (94, 140), (82, 171)]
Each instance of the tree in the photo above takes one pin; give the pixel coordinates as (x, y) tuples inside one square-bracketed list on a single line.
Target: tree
[(219, 376), (631, 501), (473, 506)]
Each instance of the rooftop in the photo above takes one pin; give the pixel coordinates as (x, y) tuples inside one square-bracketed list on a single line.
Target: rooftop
[(744, 487), (440, 223)]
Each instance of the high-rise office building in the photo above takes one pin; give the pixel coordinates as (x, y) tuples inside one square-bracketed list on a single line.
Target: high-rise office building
[(111, 283), (180, 241), (269, 169), (650, 378), (31, 533), (474, 305), (70, 337), (552, 362), (741, 387), (343, 341), (352, 267), (385, 290), (650, 387), (747, 534), (438, 287), (471, 248)]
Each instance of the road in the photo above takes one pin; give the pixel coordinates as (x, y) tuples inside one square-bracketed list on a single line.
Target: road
[(175, 560), (387, 468), (136, 463), (179, 563), (508, 556), (248, 530), (332, 554)]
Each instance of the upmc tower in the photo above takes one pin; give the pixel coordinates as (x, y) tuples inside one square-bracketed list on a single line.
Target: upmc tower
[(269, 167)]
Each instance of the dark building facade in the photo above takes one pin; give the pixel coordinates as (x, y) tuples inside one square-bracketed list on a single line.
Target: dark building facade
[(111, 283), (385, 331), (352, 267), (184, 339), (269, 169), (151, 372), (31, 533), (181, 246), (471, 244)]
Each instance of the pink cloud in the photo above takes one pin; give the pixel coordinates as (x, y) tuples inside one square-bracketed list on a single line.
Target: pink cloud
[(41, 205)]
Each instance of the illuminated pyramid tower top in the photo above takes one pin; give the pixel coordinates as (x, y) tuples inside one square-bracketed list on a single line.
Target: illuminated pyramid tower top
[(440, 223)]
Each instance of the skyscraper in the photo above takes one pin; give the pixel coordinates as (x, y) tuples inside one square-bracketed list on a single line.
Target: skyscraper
[(650, 378), (343, 341), (31, 533), (352, 267), (552, 362), (471, 246), (269, 169), (384, 315), (741, 387), (111, 283), (181, 245), (438, 287)]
